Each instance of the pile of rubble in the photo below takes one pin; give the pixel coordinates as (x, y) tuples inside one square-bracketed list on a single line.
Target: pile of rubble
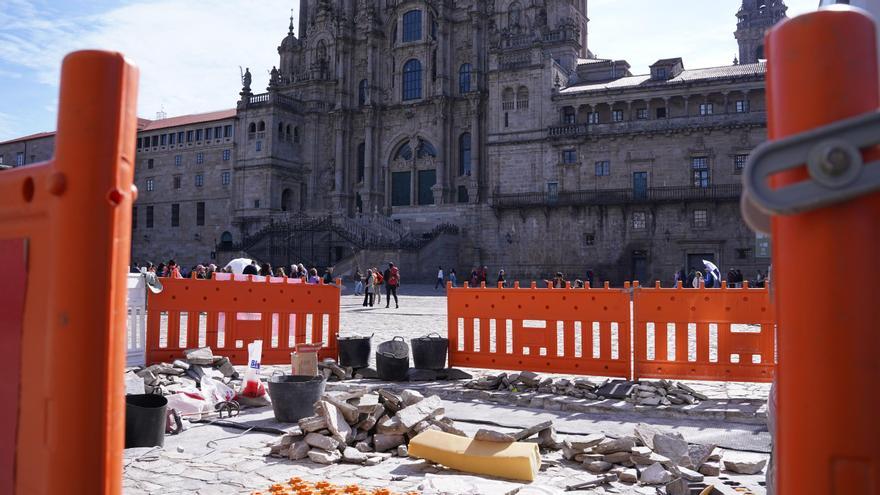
[(650, 457), (653, 393), (182, 374), (363, 428), (330, 370)]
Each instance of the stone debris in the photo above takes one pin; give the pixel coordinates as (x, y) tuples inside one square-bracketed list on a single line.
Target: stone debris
[(493, 436), (362, 428), (744, 465), (642, 393)]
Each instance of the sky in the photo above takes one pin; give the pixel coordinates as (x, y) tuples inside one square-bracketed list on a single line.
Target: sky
[(190, 51)]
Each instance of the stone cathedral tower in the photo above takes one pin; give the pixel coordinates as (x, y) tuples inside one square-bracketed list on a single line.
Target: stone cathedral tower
[(755, 17)]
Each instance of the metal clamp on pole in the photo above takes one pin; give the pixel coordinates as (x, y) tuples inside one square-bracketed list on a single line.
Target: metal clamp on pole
[(833, 160)]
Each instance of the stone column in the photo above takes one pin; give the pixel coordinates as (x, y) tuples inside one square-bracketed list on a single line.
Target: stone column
[(369, 180), (727, 102), (476, 148), (339, 176)]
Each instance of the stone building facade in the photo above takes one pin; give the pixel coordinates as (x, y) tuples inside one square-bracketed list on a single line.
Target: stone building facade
[(481, 132)]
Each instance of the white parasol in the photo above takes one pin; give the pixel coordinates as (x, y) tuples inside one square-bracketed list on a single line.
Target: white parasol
[(713, 270), (237, 265)]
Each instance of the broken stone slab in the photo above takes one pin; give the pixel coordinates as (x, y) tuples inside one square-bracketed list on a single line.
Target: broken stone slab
[(716, 454), (674, 447), (616, 389), (312, 423), (335, 369), (298, 450), (655, 474), (624, 444), (651, 459), (493, 436), (320, 456), (745, 466), (391, 426), (690, 474), (584, 458), (617, 458), (391, 401), (427, 408), (383, 442), (584, 442), (366, 403), (336, 423), (180, 363), (691, 391), (321, 441), (531, 430), (225, 366), (529, 378), (645, 433), (349, 412), (628, 476), (712, 468), (363, 446), (699, 454), (598, 467), (374, 416), (202, 356), (448, 426), (352, 455), (373, 461), (548, 439), (410, 397)]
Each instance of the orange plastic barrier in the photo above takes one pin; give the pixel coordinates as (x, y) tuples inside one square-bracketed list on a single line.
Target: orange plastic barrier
[(65, 230), (581, 331), (823, 68), (721, 334), (228, 314)]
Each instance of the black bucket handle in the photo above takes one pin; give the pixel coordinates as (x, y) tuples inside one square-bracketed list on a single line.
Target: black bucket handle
[(398, 337), (429, 336)]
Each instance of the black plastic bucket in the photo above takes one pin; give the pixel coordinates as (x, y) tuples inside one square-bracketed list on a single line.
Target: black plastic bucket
[(145, 416), (429, 352), (392, 360), (294, 396), (354, 351)]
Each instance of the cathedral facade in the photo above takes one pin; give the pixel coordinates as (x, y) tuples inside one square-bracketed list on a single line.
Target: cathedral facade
[(469, 133)]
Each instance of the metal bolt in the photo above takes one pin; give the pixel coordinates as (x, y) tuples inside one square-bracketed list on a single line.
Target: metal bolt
[(835, 161)]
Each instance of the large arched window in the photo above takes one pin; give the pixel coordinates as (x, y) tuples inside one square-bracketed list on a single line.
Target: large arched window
[(464, 78), (464, 154), (412, 26), (404, 153), (507, 99), (425, 150), (261, 127), (412, 80), (363, 94), (361, 161), (321, 51)]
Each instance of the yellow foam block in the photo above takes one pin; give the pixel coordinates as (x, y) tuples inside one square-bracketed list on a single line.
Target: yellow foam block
[(516, 460)]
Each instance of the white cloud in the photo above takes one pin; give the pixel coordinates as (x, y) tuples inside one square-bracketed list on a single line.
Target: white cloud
[(188, 52)]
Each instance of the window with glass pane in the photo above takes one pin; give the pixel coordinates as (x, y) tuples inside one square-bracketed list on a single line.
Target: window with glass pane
[(178, 160), (742, 106), (155, 140), (175, 215), (171, 139), (739, 162), (400, 188), (569, 156), (706, 108), (218, 132), (225, 178), (180, 137), (640, 220), (642, 113), (200, 213), (464, 78), (700, 165), (209, 133), (150, 163), (200, 180), (200, 158), (412, 80), (412, 26), (361, 161), (464, 154), (189, 136), (227, 131), (151, 184), (603, 168), (163, 139), (226, 155), (177, 182), (462, 194), (701, 218), (617, 115), (259, 146), (427, 180), (568, 115), (198, 134), (593, 118)]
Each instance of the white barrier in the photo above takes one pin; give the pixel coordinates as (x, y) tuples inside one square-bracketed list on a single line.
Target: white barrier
[(136, 329)]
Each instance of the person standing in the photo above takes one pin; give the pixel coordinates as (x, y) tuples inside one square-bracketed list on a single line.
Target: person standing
[(484, 275), (440, 278), (369, 288), (502, 281), (392, 282), (358, 281), (697, 277), (452, 277), (378, 280)]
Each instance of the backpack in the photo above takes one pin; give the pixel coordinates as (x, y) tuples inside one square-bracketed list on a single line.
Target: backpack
[(379, 278), (393, 277)]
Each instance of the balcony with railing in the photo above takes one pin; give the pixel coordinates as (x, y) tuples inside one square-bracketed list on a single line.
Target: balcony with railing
[(608, 197), (721, 120)]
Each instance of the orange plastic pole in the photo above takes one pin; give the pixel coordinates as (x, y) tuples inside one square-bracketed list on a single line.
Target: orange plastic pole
[(823, 68), (70, 216)]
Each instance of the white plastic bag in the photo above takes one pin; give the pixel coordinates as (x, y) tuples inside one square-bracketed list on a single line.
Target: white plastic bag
[(215, 391), (187, 406), (253, 392)]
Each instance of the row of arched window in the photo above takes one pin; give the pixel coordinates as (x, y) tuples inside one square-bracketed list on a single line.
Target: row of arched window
[(412, 82), (518, 100), (285, 133)]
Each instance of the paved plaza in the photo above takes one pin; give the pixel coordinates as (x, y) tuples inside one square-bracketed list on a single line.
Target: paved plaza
[(209, 459)]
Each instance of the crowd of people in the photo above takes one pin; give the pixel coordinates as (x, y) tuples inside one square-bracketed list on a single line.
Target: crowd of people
[(206, 271), (734, 278), (370, 284), (481, 276)]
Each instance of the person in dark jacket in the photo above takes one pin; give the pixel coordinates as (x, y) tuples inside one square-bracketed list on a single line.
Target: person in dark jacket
[(392, 282)]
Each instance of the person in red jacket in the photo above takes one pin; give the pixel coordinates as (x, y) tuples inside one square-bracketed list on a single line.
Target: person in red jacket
[(392, 282)]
